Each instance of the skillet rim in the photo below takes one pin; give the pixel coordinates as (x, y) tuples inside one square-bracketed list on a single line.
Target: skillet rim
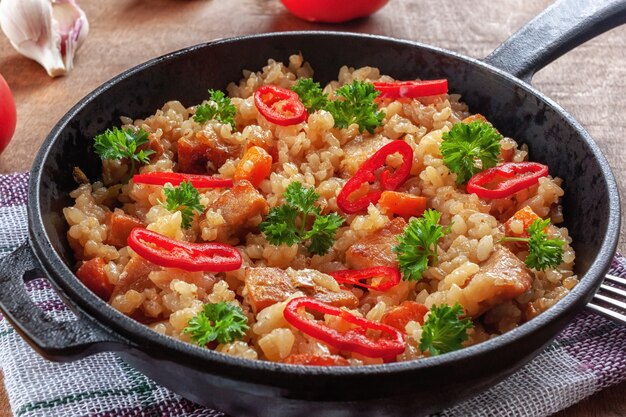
[(248, 370)]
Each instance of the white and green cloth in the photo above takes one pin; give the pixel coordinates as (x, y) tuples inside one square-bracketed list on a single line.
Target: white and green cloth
[(589, 355)]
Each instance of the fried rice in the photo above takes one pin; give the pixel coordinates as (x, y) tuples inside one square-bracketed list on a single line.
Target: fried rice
[(323, 157)]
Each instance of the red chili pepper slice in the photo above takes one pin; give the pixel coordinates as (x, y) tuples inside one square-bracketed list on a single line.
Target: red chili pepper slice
[(390, 343), (170, 253), (175, 178), (391, 277), (279, 105), (366, 173), (507, 179), (412, 89)]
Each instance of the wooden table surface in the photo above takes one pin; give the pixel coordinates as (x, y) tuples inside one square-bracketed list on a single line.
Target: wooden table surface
[(588, 82)]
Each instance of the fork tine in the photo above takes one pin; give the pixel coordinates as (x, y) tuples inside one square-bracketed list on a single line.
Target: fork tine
[(614, 279), (613, 315), (613, 290), (611, 301)]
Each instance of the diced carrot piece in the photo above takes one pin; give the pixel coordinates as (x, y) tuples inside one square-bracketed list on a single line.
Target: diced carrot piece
[(119, 227), (316, 360), (408, 311), (474, 117), (527, 216), (402, 204), (92, 274), (255, 166)]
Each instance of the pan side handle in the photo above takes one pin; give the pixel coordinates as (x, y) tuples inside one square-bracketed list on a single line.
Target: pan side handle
[(55, 340), (558, 29)]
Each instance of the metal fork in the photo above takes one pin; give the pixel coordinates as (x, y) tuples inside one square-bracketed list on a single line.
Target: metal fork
[(610, 300)]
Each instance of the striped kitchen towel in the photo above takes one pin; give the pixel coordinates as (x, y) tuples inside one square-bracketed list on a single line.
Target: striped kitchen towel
[(589, 355)]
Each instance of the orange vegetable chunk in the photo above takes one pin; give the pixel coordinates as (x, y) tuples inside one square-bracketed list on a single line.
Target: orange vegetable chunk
[(92, 274), (120, 226), (527, 216), (255, 166), (408, 311), (402, 204)]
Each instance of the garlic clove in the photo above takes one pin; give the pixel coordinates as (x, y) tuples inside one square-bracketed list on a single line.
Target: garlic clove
[(46, 31)]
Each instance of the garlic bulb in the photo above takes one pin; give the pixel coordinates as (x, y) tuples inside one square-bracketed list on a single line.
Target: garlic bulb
[(48, 31)]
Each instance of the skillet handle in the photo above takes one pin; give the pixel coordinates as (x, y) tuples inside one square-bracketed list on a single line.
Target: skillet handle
[(558, 29), (54, 340)]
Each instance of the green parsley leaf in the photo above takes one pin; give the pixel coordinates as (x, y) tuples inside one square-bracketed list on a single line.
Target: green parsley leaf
[(444, 330), (417, 246), (279, 225), (184, 198), (219, 108), (122, 144), (357, 106), (287, 224), (322, 233), (222, 322), (469, 148), (543, 252), (301, 198), (311, 94)]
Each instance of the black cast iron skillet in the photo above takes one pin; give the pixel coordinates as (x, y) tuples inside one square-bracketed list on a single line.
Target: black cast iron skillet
[(497, 87)]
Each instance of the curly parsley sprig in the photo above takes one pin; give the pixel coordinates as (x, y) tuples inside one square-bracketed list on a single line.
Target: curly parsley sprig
[(288, 224), (444, 330), (184, 198), (123, 144), (354, 103), (469, 148), (221, 321), (543, 251), (219, 108), (311, 94), (417, 246), (356, 106)]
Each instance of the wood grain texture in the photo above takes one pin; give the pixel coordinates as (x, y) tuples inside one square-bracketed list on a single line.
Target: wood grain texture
[(587, 82)]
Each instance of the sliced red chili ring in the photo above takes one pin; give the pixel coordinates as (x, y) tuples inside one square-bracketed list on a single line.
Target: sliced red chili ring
[(412, 89), (389, 345), (506, 179), (175, 178), (366, 174), (171, 253), (391, 277), (279, 105)]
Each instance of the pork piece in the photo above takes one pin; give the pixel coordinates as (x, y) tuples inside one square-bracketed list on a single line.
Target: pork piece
[(358, 150), (119, 227), (266, 286), (376, 250), (204, 153), (241, 207), (501, 278), (135, 276)]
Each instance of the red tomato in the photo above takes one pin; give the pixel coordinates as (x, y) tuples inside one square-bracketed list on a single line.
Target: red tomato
[(7, 114), (333, 11)]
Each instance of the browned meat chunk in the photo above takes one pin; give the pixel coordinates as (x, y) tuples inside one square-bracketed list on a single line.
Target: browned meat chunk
[(267, 286), (135, 276), (501, 278), (204, 153), (358, 150), (241, 207), (376, 250)]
